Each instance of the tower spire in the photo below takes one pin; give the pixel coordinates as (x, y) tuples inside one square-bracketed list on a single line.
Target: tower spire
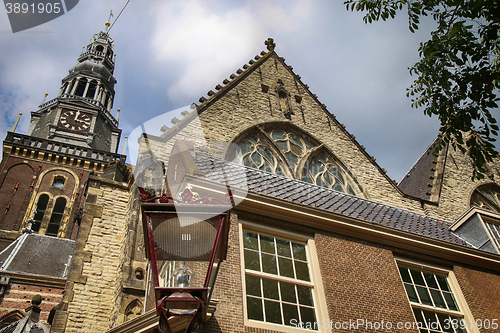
[(92, 78)]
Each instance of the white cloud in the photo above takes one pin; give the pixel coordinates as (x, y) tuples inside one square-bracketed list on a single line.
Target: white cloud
[(206, 45)]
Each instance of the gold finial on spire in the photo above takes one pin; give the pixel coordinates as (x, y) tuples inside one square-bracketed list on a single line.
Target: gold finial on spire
[(108, 24)]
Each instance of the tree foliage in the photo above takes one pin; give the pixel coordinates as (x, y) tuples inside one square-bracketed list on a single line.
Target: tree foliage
[(458, 71)]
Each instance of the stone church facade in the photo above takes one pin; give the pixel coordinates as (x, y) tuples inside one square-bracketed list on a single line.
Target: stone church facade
[(320, 239)]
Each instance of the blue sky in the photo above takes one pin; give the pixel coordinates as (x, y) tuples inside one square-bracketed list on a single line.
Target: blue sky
[(170, 53)]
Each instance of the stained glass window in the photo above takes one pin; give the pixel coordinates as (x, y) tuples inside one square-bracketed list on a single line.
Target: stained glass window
[(293, 154)]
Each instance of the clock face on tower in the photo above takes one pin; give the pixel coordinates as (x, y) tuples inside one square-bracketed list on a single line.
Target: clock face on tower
[(75, 120)]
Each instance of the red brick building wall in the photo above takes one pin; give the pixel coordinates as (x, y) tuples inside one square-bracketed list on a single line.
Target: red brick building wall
[(481, 290), (20, 291), (25, 173)]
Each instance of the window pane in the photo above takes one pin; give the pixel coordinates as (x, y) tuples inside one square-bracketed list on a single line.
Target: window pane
[(412, 294), (302, 271), (288, 292), (250, 241), (284, 248), (305, 297), (431, 281), (299, 251), (405, 275), (307, 315), (425, 298), (269, 264), (445, 322), (450, 300), (442, 282), (432, 322), (438, 299), (253, 285), (270, 288), (267, 244), (254, 309), (420, 318), (273, 312), (286, 267), (290, 312), (252, 260), (417, 277)]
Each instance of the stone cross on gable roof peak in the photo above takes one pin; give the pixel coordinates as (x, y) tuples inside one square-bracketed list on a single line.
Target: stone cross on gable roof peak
[(270, 44)]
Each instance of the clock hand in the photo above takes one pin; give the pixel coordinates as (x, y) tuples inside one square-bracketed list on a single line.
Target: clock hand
[(76, 115)]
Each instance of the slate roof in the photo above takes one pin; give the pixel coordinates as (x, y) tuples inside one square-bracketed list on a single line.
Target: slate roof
[(419, 181), (302, 193), (37, 254)]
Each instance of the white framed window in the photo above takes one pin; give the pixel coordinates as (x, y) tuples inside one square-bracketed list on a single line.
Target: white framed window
[(281, 282), (436, 300)]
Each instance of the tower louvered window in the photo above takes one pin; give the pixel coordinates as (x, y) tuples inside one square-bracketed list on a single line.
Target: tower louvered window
[(293, 154)]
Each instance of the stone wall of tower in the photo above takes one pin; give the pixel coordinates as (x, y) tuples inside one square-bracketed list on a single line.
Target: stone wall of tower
[(95, 280)]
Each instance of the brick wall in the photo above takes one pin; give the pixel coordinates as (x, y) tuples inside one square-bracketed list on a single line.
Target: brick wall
[(25, 174), (481, 290), (361, 282), (19, 294)]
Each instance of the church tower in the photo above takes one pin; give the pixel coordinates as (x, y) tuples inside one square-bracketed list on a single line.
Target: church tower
[(81, 112), (44, 173)]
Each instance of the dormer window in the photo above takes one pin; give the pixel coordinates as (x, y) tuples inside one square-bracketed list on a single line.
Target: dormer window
[(58, 182), (480, 228)]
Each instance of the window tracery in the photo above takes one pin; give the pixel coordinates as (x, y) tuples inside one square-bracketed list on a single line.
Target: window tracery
[(292, 154), (486, 196)]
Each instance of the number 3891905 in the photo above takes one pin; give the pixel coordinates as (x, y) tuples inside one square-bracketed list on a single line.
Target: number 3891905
[(40, 8)]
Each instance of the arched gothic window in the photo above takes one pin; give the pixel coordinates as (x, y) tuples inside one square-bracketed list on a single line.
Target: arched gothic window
[(293, 154), (486, 196)]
